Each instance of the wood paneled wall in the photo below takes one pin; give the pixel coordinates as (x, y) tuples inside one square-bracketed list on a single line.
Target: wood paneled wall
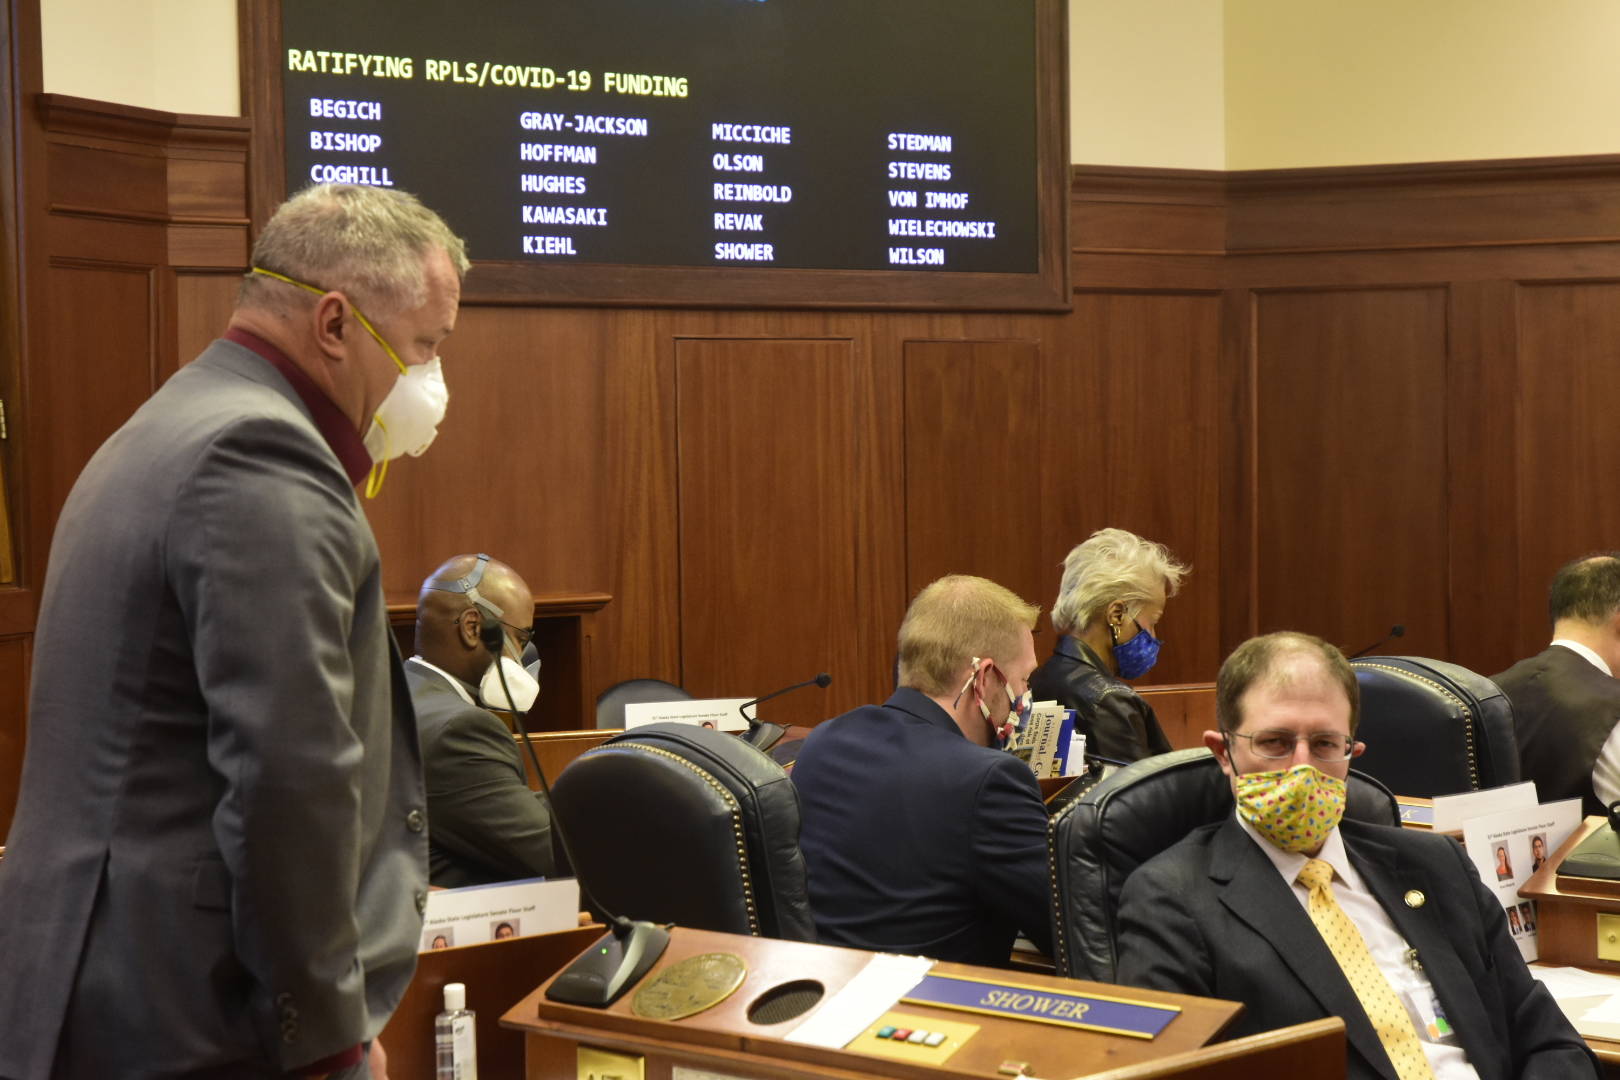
[(1347, 397)]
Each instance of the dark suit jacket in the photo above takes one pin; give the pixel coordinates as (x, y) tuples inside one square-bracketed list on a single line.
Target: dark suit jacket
[(1117, 722), (919, 841), (1563, 711), (484, 824), (219, 858), (1211, 916)]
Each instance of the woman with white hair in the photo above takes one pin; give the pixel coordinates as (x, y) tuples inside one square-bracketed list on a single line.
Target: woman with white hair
[(1113, 593)]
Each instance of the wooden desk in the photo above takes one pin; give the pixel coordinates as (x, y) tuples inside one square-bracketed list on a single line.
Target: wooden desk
[(1185, 711), (1566, 923), (563, 632), (496, 974), (723, 1040)]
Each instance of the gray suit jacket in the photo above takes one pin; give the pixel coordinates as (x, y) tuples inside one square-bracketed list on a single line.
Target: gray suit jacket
[(1211, 916), (484, 824), (218, 860)]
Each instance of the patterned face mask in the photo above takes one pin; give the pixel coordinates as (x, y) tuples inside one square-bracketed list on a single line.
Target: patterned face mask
[(1293, 808)]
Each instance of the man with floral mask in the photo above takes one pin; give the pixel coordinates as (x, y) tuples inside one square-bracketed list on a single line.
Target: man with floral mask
[(1301, 915), (219, 859), (484, 824), (919, 835)]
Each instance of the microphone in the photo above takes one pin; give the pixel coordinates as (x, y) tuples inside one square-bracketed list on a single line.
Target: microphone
[(618, 960), (1398, 630), (764, 736)]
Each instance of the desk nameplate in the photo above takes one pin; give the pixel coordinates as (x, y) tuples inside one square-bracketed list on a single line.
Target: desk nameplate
[(1023, 1001)]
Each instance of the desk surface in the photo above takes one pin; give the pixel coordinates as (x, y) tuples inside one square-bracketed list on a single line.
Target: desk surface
[(723, 1033)]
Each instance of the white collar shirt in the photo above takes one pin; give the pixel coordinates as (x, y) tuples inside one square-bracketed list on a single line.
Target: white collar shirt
[(455, 684), (1394, 957)]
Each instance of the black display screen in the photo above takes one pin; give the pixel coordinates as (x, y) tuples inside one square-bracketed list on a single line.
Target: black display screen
[(804, 134)]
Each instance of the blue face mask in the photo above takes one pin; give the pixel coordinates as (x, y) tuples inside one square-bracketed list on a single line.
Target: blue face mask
[(1135, 657)]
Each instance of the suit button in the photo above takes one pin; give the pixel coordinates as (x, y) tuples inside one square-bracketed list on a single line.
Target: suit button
[(421, 902), (289, 1031), (284, 999), (415, 822)]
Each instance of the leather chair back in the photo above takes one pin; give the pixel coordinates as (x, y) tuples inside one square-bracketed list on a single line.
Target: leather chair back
[(681, 824), (610, 703), (1097, 841), (1433, 728)]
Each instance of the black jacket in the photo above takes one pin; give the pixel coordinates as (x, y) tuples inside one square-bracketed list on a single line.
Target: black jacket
[(1117, 722), (484, 824), (1563, 711)]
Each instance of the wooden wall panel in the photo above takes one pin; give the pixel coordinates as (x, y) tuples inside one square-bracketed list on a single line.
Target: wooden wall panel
[(769, 469), (15, 657), (1351, 437), (1569, 387), (203, 303), (101, 366), (1130, 439), (972, 484)]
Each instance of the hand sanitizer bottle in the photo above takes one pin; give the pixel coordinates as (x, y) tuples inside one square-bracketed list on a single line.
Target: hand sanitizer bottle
[(455, 1037)]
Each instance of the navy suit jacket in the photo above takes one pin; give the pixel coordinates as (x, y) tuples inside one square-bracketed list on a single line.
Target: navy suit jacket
[(919, 841), (1211, 916)]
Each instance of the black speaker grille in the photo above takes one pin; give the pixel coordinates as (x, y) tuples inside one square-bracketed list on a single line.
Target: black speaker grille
[(785, 1001)]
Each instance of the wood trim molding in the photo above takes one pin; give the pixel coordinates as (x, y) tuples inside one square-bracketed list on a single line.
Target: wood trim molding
[(1426, 206), (62, 114)]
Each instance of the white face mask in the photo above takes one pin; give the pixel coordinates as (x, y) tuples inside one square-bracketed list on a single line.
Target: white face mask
[(525, 687), (409, 417)]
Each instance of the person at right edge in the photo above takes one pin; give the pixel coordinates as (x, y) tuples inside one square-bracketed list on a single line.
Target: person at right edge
[(1108, 608)]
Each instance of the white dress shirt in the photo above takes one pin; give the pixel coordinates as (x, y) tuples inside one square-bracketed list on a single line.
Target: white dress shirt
[(1606, 769), (455, 684), (1389, 949)]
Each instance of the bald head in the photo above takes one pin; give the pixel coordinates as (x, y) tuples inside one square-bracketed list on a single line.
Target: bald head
[(449, 618)]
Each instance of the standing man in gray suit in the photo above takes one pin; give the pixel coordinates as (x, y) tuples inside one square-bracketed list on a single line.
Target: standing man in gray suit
[(219, 858)]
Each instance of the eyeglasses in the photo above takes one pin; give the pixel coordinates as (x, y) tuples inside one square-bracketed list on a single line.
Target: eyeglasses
[(524, 634), (1324, 745)]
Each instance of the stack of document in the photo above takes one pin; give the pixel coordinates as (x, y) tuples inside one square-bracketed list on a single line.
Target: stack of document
[(1590, 1000)]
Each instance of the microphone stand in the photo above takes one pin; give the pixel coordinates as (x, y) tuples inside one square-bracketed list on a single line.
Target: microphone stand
[(618, 959)]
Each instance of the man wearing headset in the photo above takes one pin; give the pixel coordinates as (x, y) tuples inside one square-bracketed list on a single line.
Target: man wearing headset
[(473, 619)]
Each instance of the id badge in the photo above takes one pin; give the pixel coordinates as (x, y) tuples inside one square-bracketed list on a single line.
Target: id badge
[(1429, 1015)]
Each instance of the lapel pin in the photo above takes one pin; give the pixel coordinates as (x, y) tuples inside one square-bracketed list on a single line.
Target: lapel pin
[(1414, 898)]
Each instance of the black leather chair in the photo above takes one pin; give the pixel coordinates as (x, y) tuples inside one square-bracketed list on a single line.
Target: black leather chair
[(675, 823), (610, 703), (1433, 728), (1097, 841)]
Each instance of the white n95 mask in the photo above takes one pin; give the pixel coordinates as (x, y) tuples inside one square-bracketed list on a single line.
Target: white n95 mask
[(525, 687), (408, 419)]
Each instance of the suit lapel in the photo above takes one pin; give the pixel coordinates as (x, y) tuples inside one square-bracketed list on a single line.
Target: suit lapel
[(1390, 875), (1252, 890)]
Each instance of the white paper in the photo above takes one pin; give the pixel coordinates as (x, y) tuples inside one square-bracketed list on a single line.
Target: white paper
[(1450, 811), (1569, 982), (479, 913), (718, 713), (1502, 848), (1606, 1013), (872, 992)]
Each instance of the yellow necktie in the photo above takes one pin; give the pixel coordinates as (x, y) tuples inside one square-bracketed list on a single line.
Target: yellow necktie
[(1383, 1007)]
